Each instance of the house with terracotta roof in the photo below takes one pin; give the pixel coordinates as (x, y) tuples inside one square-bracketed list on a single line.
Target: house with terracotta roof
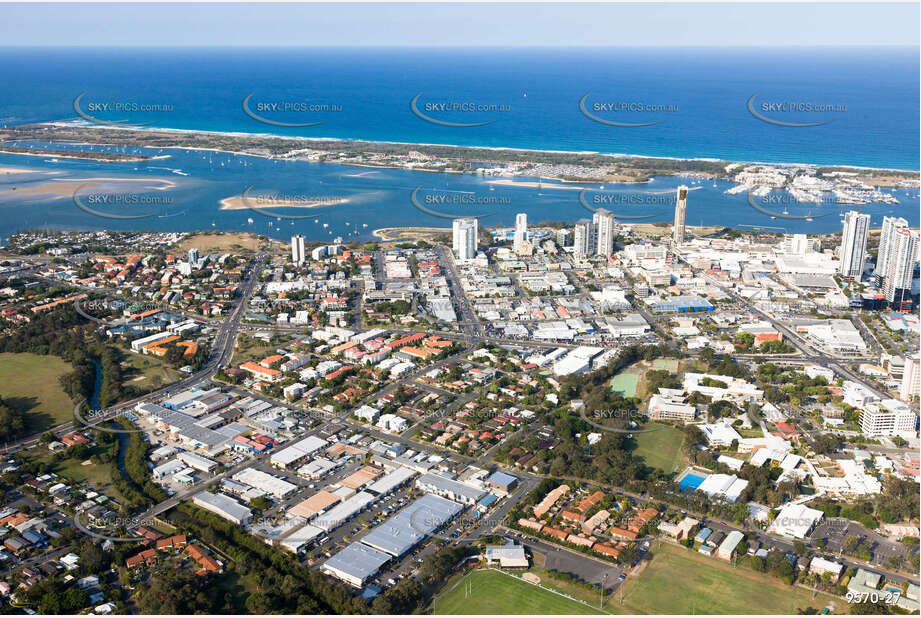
[(207, 563), (623, 534)]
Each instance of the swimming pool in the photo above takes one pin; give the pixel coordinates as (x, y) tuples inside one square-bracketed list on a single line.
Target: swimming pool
[(691, 481)]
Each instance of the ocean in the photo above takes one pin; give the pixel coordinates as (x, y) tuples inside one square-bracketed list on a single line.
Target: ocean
[(688, 103)]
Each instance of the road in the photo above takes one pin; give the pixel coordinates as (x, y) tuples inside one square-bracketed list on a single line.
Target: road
[(221, 353)]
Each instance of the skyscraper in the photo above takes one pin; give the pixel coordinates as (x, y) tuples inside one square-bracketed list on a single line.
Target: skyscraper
[(193, 257), (603, 222), (465, 238), (902, 253), (298, 255), (890, 225), (853, 244), (521, 231), (681, 209), (583, 239)]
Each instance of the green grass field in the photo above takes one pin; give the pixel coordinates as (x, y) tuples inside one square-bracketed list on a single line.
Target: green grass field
[(660, 448), (92, 475), (30, 383), (625, 384), (681, 581), (493, 592)]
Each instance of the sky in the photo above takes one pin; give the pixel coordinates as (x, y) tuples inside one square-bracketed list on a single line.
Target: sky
[(465, 25)]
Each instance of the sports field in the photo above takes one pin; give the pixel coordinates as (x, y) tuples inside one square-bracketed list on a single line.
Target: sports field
[(625, 383), (660, 448), (493, 592), (666, 364), (696, 584), (29, 382)]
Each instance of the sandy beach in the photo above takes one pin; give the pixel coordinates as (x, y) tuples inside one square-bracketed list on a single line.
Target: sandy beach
[(534, 184), (388, 234), (18, 170), (238, 202), (69, 185)]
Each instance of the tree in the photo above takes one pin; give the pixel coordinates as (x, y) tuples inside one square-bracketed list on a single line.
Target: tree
[(850, 543)]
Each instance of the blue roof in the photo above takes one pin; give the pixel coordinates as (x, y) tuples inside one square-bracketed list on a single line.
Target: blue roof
[(487, 500)]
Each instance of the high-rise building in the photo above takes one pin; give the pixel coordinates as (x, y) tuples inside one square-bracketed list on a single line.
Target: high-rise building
[(889, 417), (798, 244), (890, 225), (911, 378), (902, 254), (465, 238), (603, 222), (681, 210), (562, 237), (521, 231), (583, 242), (193, 258), (298, 255), (853, 244)]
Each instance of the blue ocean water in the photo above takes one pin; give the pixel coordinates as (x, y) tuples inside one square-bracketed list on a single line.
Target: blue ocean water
[(540, 90), (530, 98)]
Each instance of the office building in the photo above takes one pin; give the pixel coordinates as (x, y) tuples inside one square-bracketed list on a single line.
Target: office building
[(853, 244), (603, 222), (465, 239), (583, 239), (911, 378), (901, 256), (681, 209), (298, 255), (889, 417)]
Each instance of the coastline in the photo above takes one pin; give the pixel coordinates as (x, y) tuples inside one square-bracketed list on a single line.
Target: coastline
[(523, 151)]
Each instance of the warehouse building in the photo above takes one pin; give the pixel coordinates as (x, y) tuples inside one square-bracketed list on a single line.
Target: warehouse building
[(224, 506), (448, 488), (267, 483), (343, 512), (399, 534), (355, 564), (298, 452)]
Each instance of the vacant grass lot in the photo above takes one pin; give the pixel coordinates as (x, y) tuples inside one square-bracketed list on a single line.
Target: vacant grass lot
[(92, 475), (660, 448), (221, 243), (493, 592), (681, 581), (29, 382)]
